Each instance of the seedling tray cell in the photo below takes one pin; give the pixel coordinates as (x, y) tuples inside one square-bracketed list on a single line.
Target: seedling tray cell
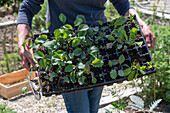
[(117, 60)]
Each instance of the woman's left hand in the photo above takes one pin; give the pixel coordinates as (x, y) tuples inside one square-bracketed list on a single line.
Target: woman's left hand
[(149, 37)]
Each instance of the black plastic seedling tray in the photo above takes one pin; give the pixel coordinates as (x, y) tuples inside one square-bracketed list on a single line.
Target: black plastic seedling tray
[(131, 54)]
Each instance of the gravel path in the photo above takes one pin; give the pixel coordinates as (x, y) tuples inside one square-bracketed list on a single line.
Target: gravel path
[(54, 104)]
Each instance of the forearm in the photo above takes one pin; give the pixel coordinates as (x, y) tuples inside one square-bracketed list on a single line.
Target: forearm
[(23, 33)]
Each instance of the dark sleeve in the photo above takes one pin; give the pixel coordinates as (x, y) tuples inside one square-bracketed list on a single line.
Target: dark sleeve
[(122, 6), (27, 10)]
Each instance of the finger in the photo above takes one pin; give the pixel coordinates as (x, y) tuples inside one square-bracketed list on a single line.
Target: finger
[(26, 63), (153, 39), (29, 58), (148, 41)]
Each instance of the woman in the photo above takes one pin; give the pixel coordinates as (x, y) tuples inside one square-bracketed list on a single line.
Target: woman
[(93, 10)]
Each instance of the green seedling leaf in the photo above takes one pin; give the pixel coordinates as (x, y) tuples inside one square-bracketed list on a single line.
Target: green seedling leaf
[(83, 55), (83, 27), (81, 80), (62, 18), (42, 39), (23, 44), (121, 73), (110, 37), (115, 62), (97, 63), (39, 54), (92, 50), (43, 63), (121, 59), (35, 46), (60, 51), (49, 44), (72, 77), (82, 17), (119, 46), (71, 55), (69, 68), (24, 89), (57, 33), (76, 42), (57, 56), (100, 22), (43, 84), (80, 73), (127, 71), (120, 21), (81, 66), (113, 74), (78, 21), (68, 26), (131, 75), (133, 30), (66, 80), (142, 72), (139, 43), (136, 75), (94, 80), (77, 51), (87, 68), (110, 63), (96, 28), (48, 24)]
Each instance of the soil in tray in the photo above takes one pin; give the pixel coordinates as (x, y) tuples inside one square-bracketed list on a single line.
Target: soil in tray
[(143, 50)]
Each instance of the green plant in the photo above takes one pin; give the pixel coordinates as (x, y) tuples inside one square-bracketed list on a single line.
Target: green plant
[(120, 104), (39, 20), (110, 11), (139, 104), (75, 56), (4, 109)]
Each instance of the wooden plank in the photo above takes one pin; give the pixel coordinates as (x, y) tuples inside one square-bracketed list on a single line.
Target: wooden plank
[(14, 76)]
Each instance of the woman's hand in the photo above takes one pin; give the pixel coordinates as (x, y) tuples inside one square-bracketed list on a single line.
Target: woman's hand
[(149, 37), (23, 33)]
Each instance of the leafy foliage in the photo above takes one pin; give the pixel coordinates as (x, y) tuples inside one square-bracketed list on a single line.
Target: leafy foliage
[(139, 103), (76, 55), (4, 109)]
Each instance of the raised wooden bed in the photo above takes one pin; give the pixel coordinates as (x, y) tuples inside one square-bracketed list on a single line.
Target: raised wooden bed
[(11, 84)]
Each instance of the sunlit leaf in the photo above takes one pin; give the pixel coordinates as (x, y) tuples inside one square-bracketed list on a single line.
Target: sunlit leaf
[(24, 89), (83, 27), (131, 75), (113, 74), (97, 63), (81, 66), (39, 54), (76, 42), (62, 18)]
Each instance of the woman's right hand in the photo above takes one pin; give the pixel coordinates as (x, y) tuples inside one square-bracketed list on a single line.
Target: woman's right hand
[(23, 33)]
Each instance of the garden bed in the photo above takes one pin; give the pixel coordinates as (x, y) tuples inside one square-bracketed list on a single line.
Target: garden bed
[(71, 60)]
